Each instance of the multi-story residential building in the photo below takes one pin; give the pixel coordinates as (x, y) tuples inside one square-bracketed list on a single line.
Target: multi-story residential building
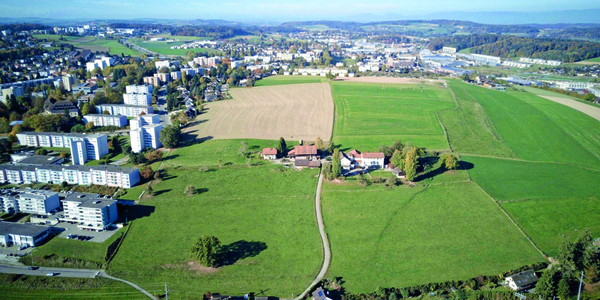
[(144, 120), (176, 75), (22, 234), (137, 99), (106, 120), (138, 89), (163, 77), (68, 81), (108, 175), (162, 63), (151, 80), (15, 90), (83, 146), (124, 109), (30, 202), (145, 137), (89, 211)]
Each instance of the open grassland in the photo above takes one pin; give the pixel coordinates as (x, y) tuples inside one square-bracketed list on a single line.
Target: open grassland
[(263, 214), (409, 236), (164, 48), (93, 44), (539, 159), (290, 79), (550, 221), (369, 115), (295, 112)]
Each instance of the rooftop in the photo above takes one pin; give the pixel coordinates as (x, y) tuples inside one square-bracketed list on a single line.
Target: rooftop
[(40, 160), (26, 229)]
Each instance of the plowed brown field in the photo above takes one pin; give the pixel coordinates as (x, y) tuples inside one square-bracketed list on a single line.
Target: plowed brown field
[(295, 112)]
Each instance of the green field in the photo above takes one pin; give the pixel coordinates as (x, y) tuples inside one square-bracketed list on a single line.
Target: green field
[(368, 116), (409, 236), (265, 211), (165, 48), (92, 43), (290, 79)]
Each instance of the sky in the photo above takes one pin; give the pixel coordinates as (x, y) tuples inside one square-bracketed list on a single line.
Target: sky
[(270, 10)]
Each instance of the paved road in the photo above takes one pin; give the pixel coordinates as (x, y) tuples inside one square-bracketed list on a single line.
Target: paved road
[(326, 249), (63, 272)]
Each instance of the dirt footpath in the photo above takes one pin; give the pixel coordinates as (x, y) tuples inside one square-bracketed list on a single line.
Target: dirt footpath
[(295, 112), (589, 110)]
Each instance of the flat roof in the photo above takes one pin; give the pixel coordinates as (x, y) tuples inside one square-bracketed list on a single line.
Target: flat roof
[(81, 135), (39, 160), (26, 229), (89, 200)]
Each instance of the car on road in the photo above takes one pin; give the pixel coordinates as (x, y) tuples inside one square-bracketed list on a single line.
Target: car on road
[(33, 268), (51, 274)]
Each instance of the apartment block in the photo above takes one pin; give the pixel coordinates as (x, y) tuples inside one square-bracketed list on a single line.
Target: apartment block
[(124, 109), (30, 202), (106, 120), (89, 212)]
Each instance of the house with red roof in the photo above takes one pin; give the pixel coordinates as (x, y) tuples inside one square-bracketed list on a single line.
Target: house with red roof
[(304, 152), (269, 153), (366, 160)]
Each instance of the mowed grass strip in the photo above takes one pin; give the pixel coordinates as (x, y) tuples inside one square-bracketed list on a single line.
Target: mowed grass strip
[(268, 212), (516, 180), (290, 79), (550, 221), (410, 236), (370, 115)]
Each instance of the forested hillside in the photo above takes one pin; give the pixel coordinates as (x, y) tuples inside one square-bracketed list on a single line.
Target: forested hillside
[(514, 46)]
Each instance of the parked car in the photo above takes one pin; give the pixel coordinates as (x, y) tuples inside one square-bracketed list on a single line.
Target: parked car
[(51, 274), (33, 268)]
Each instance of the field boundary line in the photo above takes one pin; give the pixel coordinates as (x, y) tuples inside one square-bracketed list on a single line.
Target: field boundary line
[(513, 221), (531, 161), (324, 240), (445, 131)]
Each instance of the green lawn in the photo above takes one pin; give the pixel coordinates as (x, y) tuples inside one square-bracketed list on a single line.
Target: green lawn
[(267, 212), (368, 116), (409, 236), (92, 43), (547, 220), (165, 48), (290, 79)]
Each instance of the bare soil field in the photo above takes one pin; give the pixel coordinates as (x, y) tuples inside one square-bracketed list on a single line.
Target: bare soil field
[(373, 79), (589, 110), (294, 112)]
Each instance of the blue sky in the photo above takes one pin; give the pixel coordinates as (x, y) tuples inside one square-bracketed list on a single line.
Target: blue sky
[(267, 9)]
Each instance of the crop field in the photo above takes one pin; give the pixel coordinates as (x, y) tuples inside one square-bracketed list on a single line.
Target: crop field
[(409, 236), (263, 214), (369, 115), (291, 79), (295, 112), (93, 44)]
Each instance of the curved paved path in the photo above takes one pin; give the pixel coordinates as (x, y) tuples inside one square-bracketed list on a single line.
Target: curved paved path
[(103, 274), (326, 249)]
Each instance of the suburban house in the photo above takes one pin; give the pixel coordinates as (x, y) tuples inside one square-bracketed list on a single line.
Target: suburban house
[(304, 152), (522, 280), (320, 294), (269, 153), (366, 160), (23, 234)]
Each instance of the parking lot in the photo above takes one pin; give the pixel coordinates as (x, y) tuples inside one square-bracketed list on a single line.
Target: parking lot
[(97, 237)]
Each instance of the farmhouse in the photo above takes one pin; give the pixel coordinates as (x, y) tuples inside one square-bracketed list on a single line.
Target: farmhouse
[(367, 160), (522, 280), (304, 152), (269, 153)]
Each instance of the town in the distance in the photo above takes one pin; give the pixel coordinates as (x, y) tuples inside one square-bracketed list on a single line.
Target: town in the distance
[(382, 158)]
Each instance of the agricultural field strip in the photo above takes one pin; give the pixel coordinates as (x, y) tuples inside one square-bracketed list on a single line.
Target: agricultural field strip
[(531, 161)]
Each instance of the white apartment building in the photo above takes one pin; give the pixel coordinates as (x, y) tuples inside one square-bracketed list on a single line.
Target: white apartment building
[(145, 137), (540, 61), (106, 120), (22, 234), (138, 89), (176, 75), (31, 202), (514, 64), (124, 109), (162, 63), (88, 146), (144, 120), (89, 211), (100, 63), (448, 50), (137, 99), (108, 175)]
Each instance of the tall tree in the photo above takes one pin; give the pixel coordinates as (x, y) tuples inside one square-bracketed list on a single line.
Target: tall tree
[(411, 164), (397, 160), (282, 147), (170, 136), (563, 288), (546, 286), (207, 251), (336, 164)]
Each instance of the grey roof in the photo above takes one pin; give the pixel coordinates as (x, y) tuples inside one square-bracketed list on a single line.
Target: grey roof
[(524, 278), (319, 294), (109, 168), (39, 160), (26, 229), (80, 135), (89, 200)]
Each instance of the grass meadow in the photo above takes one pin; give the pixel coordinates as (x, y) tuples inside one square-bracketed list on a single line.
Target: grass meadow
[(409, 236), (92, 43), (164, 48), (264, 214), (368, 116)]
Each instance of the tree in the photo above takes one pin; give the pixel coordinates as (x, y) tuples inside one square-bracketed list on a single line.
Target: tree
[(410, 165), (397, 160), (564, 290), (397, 145), (150, 191), (106, 112), (319, 144), (336, 164), (78, 128), (85, 109), (450, 161), (589, 97), (146, 172), (282, 147), (89, 126), (116, 144), (546, 286), (190, 190), (4, 126), (64, 185), (578, 255), (170, 136), (207, 250)]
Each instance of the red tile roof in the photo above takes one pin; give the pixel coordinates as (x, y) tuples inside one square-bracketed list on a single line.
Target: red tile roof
[(373, 155), (305, 150), (269, 151)]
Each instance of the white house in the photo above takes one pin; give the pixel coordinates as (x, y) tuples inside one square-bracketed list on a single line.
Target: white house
[(366, 160), (522, 280), (269, 153)]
